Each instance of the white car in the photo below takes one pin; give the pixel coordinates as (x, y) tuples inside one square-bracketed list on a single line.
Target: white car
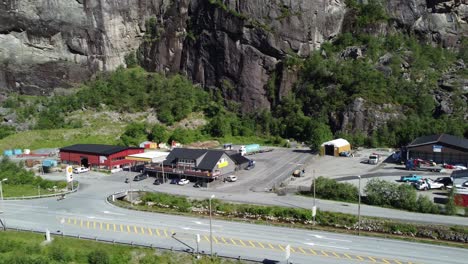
[(183, 182), (428, 184), (80, 170), (231, 178)]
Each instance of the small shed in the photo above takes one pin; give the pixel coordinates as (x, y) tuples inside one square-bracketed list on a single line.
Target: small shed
[(335, 147)]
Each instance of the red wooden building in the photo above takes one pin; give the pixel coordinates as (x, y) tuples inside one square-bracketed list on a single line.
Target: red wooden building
[(98, 156)]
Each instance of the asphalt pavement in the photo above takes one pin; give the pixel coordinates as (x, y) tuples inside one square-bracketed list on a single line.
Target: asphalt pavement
[(87, 213)]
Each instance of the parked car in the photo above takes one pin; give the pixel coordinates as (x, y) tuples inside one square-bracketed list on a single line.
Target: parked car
[(197, 185), (373, 158), (80, 170), (174, 181), (410, 178), (183, 182), (447, 181), (140, 177), (428, 184), (231, 178), (157, 182), (298, 173)]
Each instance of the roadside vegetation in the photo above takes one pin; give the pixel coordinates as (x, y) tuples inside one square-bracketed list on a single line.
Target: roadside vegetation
[(22, 182), (14, 245), (381, 193), (292, 217)]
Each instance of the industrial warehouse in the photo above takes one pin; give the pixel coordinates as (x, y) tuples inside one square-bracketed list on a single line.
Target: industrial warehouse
[(106, 157)]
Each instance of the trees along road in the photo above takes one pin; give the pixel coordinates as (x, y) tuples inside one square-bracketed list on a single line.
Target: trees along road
[(87, 213)]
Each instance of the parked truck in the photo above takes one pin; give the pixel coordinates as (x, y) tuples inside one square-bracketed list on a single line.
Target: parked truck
[(249, 149), (421, 165)]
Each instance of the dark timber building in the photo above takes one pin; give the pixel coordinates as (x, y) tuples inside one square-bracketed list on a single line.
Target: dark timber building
[(439, 148)]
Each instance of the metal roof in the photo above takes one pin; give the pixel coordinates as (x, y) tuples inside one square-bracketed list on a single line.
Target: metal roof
[(442, 138), (98, 149), (209, 157), (150, 156), (339, 142)]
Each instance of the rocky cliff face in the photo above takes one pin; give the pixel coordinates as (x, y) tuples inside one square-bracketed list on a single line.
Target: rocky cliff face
[(239, 46)]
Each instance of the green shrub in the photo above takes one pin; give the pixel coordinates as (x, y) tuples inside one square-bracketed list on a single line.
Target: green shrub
[(60, 253), (425, 205), (333, 190), (450, 207), (400, 227), (98, 256)]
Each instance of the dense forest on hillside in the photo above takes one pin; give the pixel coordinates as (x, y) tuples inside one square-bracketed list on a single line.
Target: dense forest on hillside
[(394, 73)]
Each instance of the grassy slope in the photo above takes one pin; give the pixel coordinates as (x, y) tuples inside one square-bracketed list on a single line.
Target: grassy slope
[(22, 190)]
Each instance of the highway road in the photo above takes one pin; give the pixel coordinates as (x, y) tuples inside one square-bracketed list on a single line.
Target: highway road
[(87, 213)]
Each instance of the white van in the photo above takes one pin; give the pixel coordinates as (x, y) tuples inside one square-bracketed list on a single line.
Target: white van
[(80, 170), (231, 178), (373, 159)]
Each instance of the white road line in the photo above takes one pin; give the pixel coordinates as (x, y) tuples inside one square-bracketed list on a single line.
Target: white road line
[(334, 239), (313, 244), (111, 213)]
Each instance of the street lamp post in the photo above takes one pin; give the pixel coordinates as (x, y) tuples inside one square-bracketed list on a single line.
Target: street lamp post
[(359, 206), (1, 189), (211, 228), (315, 205)]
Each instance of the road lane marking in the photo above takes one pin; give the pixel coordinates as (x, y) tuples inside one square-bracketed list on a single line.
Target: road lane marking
[(94, 224), (224, 240), (313, 251), (261, 244), (398, 262), (142, 230), (272, 247), (87, 224), (128, 229), (348, 256), (302, 250), (157, 232), (74, 221), (121, 228), (336, 255), (206, 238), (250, 242), (292, 249), (233, 242), (69, 220), (107, 226), (386, 261), (281, 247), (81, 223), (100, 225), (115, 227), (215, 240), (242, 242), (165, 233), (150, 232), (324, 253), (372, 259), (360, 258), (135, 229)]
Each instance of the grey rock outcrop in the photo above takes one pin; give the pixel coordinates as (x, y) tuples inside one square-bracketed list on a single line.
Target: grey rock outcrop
[(237, 46)]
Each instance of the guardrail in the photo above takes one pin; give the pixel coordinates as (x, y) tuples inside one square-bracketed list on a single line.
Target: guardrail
[(136, 244), (42, 195)]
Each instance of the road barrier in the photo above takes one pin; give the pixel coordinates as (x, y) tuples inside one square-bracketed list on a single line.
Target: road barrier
[(133, 244)]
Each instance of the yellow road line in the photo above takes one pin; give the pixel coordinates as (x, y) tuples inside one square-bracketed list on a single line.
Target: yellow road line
[(215, 240), (157, 232), (165, 233), (292, 249), (94, 224), (360, 258), (206, 238), (233, 242), (348, 256), (272, 247), (282, 248), (142, 230), (128, 229), (115, 227), (121, 228), (107, 226), (81, 223), (373, 259), (398, 262), (74, 221), (336, 255), (69, 221), (302, 250), (386, 261), (324, 253), (242, 242), (224, 240), (250, 242), (87, 224), (150, 232), (312, 251), (100, 225), (261, 244), (135, 229)]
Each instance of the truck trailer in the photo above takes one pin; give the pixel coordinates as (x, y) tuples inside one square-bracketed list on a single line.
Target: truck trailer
[(249, 149)]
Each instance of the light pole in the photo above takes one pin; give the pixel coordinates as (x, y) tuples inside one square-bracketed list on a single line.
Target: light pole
[(211, 229), (314, 209), (359, 206), (1, 193)]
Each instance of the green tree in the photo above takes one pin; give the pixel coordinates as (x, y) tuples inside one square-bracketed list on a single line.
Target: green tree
[(134, 134), (158, 133)]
